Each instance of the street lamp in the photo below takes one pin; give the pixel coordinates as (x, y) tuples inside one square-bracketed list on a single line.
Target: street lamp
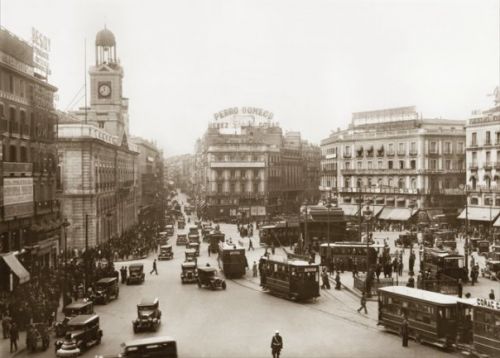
[(108, 215), (466, 248), (65, 225), (306, 238), (368, 216)]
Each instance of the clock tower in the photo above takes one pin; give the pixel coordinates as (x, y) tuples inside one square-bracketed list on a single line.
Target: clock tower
[(110, 109)]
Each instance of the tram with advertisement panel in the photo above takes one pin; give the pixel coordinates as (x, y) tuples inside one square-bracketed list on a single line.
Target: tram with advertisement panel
[(344, 254), (441, 263), (233, 260), (290, 278), (280, 234)]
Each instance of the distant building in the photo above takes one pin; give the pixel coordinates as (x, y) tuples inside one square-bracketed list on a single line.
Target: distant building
[(397, 161), (483, 168), (98, 164), (29, 220), (180, 172), (247, 168), (150, 175)]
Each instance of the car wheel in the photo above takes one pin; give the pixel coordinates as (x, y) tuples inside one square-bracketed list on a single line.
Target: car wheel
[(223, 285), (135, 329), (199, 284)]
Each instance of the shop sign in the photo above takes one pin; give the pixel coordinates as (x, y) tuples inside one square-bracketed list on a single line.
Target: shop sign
[(18, 197), (483, 302)]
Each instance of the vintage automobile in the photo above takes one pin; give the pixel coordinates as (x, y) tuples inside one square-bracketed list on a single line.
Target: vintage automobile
[(194, 238), (407, 239), (492, 270), (181, 223), (148, 315), (151, 347), (37, 337), (163, 238), (72, 310), (106, 289), (193, 230), (207, 277), (135, 273), (181, 239), (190, 255), (195, 246), (84, 331), (169, 229), (189, 272), (166, 253)]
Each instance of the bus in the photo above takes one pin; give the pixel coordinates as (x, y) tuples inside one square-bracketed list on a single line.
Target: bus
[(234, 261), (290, 278), (344, 254), (441, 264), (280, 234)]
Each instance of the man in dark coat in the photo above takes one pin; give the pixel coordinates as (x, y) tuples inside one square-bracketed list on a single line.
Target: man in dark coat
[(276, 345), (404, 332), (460, 288), (14, 336)]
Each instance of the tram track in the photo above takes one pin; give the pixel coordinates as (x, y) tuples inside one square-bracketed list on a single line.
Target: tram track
[(349, 318)]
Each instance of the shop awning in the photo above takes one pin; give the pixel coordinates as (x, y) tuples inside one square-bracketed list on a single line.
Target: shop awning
[(349, 209), (377, 209), (497, 223), (16, 267), (396, 214), (479, 213)]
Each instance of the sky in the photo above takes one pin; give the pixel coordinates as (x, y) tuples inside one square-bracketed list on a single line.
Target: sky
[(310, 62)]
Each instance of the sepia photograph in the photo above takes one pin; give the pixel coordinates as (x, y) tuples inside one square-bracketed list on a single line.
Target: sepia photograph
[(250, 178)]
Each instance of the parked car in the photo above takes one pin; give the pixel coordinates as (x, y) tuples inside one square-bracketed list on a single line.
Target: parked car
[(163, 238), (207, 277), (151, 347), (84, 331), (169, 229), (492, 270), (135, 273), (106, 289), (148, 315), (166, 253), (189, 272), (72, 310), (407, 239), (181, 239)]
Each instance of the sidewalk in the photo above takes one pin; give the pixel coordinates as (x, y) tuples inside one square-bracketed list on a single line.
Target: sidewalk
[(5, 346)]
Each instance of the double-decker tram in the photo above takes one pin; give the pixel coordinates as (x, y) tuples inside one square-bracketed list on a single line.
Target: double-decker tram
[(441, 264), (233, 259), (280, 233), (471, 325), (291, 278), (344, 254)]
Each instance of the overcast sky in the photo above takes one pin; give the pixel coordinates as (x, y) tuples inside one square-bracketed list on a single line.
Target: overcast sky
[(310, 62)]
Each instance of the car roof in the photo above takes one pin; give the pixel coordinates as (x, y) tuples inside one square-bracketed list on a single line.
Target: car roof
[(82, 319), (149, 340), (207, 269), (148, 301), (165, 246), (190, 251), (428, 296), (188, 264), (78, 304), (136, 265), (107, 279)]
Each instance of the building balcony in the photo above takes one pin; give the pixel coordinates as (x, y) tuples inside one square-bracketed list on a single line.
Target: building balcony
[(488, 165), (401, 153), (347, 155), (390, 153), (413, 153), (385, 171), (14, 169), (238, 164), (441, 171), (483, 189), (374, 190)]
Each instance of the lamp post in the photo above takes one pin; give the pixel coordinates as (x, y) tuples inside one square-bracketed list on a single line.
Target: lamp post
[(65, 225), (466, 248), (368, 216), (108, 215), (306, 238)]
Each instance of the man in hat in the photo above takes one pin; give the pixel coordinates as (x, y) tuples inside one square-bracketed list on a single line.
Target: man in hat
[(276, 344)]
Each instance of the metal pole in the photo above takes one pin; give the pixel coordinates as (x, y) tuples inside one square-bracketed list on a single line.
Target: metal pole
[(86, 249), (466, 253), (65, 272), (359, 219), (306, 239)]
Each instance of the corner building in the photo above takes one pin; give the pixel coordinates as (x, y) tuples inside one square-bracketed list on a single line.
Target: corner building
[(397, 161), (98, 165), (29, 217)]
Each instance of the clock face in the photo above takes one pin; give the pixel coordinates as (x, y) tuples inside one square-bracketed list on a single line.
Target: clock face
[(104, 90)]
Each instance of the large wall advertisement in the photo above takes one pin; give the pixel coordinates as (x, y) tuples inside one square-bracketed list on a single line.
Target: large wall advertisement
[(18, 197)]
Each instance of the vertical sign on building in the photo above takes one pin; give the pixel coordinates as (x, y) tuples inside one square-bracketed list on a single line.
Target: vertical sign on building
[(41, 50)]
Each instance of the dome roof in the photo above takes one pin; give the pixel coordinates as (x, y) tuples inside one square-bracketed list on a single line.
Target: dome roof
[(105, 38)]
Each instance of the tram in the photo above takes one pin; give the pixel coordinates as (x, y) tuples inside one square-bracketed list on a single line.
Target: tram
[(278, 234), (344, 254), (214, 239), (441, 262), (442, 320), (234, 261), (289, 277)]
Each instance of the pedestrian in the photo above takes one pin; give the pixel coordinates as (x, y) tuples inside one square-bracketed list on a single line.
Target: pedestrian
[(404, 332), (5, 325), (276, 345), (14, 336), (492, 295), (363, 303), (337, 281), (411, 281), (325, 280), (254, 269), (272, 248), (378, 271), (208, 250), (155, 270), (400, 267), (354, 269), (460, 288), (250, 245), (411, 262)]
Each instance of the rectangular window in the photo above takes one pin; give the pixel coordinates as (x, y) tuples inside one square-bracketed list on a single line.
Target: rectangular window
[(487, 139), (348, 165), (380, 164), (447, 164), (433, 164), (474, 138), (413, 148), (390, 151), (401, 149), (401, 164), (460, 147), (497, 138), (413, 164), (433, 148), (370, 166), (488, 157), (389, 164), (11, 84), (447, 148), (347, 152), (360, 165)]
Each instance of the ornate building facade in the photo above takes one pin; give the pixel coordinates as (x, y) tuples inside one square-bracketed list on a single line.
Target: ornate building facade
[(98, 165)]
